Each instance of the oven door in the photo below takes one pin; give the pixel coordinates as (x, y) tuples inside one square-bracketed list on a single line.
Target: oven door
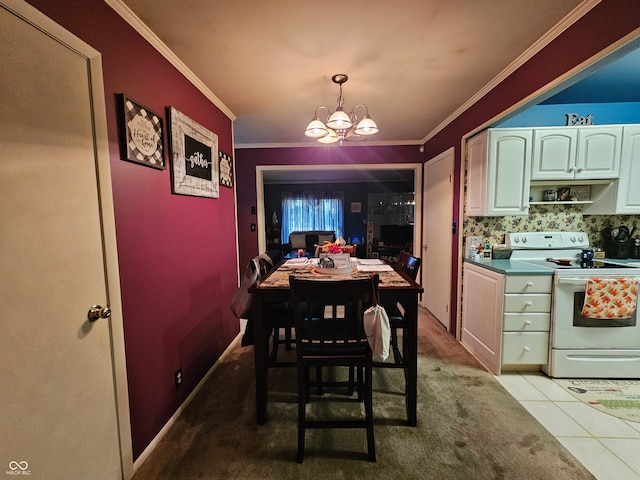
[(572, 330)]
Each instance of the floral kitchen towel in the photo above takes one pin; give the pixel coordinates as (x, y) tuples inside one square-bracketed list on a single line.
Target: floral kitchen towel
[(610, 298)]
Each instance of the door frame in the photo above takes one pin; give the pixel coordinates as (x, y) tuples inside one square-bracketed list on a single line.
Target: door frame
[(449, 156), (417, 187), (105, 198)]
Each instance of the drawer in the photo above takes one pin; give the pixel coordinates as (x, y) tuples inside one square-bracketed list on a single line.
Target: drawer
[(518, 303), (527, 322), (530, 348), (528, 284)]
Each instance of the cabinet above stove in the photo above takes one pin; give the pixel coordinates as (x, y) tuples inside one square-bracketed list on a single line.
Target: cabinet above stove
[(507, 171)]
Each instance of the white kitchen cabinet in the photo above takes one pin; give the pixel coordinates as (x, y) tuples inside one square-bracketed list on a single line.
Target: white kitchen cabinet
[(498, 172), (622, 196), (576, 153), (506, 318), (628, 198), (482, 312)]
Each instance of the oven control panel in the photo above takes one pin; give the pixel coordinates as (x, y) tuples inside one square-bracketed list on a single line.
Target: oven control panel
[(546, 240)]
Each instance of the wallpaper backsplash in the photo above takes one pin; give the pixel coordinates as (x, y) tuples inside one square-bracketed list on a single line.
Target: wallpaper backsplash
[(559, 218)]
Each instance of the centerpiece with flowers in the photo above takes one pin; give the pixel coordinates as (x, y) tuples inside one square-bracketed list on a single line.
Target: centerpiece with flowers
[(330, 247), (332, 258)]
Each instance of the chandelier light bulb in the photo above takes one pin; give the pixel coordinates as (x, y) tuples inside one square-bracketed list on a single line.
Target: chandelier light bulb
[(330, 137), (341, 125), (315, 129)]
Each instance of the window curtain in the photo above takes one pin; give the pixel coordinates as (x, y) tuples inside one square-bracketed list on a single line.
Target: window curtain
[(312, 211)]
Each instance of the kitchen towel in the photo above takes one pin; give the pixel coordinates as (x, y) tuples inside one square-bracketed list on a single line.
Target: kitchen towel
[(610, 298)]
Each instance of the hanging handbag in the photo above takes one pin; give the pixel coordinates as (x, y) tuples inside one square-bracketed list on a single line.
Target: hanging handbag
[(376, 326)]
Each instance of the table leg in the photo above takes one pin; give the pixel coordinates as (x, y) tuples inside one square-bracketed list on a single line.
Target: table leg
[(260, 359), (410, 347)]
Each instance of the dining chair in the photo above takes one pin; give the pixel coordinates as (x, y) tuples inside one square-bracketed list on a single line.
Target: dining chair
[(278, 316), (410, 265), (329, 333)]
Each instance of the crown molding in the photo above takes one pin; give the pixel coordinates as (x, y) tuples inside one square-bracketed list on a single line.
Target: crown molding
[(139, 26)]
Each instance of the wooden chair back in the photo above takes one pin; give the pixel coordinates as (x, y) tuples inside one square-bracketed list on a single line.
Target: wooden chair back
[(328, 314)]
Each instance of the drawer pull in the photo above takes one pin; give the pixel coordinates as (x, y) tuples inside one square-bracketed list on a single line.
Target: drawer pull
[(527, 349), (528, 303), (527, 322), (529, 284)]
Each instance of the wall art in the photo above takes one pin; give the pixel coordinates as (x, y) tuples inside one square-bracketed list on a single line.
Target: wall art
[(141, 136), (226, 169), (194, 157)]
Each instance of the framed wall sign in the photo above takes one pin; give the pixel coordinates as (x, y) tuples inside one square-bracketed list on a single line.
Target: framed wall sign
[(226, 169), (194, 157), (141, 136)]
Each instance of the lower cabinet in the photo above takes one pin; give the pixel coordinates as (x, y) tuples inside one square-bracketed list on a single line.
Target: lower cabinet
[(505, 318)]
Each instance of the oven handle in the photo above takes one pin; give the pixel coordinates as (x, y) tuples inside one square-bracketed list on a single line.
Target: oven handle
[(579, 282)]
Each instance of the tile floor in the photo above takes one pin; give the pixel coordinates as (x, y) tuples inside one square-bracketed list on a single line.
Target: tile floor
[(608, 446)]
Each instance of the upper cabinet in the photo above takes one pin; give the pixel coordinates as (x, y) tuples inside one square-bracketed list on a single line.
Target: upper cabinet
[(498, 172), (622, 196), (628, 191), (580, 153)]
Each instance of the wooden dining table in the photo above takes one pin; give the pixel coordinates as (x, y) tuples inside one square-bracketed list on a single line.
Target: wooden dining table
[(394, 286)]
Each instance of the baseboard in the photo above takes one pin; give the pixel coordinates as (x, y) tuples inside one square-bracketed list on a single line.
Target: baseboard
[(163, 431)]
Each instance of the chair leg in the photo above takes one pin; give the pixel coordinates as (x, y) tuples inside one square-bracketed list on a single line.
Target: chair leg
[(368, 407), (303, 382), (352, 381), (397, 356), (287, 337), (319, 379), (274, 345)]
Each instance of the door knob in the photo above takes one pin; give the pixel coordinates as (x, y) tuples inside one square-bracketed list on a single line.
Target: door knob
[(97, 312)]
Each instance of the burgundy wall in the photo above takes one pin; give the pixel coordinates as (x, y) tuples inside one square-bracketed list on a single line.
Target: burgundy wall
[(177, 254), (248, 159)]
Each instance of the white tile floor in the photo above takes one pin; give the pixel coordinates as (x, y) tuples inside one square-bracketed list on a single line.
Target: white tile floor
[(608, 446)]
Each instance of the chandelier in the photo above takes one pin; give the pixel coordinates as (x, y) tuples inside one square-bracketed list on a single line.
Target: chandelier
[(341, 125)]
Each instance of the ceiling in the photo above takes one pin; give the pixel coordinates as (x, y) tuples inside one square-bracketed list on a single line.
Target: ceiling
[(414, 63)]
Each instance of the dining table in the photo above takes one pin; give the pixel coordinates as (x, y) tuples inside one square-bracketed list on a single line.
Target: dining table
[(394, 286)]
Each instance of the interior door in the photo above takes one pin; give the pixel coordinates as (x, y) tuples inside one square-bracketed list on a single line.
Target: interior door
[(64, 411), (437, 236)]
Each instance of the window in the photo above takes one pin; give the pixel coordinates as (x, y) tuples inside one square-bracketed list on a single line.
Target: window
[(312, 211)]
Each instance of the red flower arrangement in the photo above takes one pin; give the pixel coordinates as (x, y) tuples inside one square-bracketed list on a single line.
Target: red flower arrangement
[(329, 247)]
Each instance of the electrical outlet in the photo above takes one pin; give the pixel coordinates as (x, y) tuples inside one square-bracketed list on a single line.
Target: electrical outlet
[(178, 377)]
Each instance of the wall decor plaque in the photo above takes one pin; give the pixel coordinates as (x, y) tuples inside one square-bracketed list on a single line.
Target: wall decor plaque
[(226, 169), (194, 157), (141, 136)]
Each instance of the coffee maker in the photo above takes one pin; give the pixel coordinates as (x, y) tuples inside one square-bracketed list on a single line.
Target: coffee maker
[(617, 241)]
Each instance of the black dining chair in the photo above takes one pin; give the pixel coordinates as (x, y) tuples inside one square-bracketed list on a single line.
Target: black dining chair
[(278, 316), (410, 265), (329, 332)]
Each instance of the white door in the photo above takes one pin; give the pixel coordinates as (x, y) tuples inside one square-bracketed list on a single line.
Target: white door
[(437, 236), (64, 410)]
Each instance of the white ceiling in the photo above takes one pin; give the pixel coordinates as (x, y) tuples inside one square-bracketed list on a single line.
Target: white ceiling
[(414, 63)]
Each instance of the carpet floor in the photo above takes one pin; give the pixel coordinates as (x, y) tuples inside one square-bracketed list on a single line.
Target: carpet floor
[(469, 428)]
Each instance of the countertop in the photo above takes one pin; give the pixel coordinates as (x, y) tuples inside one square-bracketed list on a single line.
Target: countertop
[(511, 267), (518, 267)]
